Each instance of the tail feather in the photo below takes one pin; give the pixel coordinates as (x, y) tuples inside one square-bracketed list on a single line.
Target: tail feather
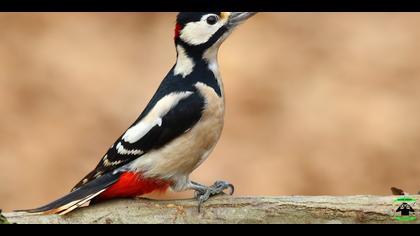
[(79, 203), (78, 197)]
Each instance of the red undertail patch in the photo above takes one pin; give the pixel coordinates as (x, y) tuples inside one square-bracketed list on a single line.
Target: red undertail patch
[(131, 185)]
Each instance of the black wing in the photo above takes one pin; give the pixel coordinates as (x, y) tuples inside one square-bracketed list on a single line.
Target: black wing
[(178, 120)]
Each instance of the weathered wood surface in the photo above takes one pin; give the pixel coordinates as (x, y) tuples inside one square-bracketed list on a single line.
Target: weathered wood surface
[(227, 209)]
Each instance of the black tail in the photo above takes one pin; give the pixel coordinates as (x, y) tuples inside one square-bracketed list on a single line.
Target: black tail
[(78, 197)]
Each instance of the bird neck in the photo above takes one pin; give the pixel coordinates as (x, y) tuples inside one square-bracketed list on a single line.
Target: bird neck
[(199, 67), (189, 59)]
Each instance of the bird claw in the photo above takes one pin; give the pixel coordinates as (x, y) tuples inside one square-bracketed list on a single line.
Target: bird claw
[(217, 188), (221, 186)]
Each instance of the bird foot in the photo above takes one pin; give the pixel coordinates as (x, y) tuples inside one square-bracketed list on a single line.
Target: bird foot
[(203, 193)]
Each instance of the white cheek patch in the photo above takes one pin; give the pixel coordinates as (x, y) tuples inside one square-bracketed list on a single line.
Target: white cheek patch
[(196, 33), (154, 117)]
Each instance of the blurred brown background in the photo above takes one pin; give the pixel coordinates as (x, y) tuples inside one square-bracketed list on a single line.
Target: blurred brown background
[(323, 103)]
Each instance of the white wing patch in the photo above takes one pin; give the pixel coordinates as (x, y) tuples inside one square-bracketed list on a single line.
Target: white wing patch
[(153, 118), (136, 132), (121, 150)]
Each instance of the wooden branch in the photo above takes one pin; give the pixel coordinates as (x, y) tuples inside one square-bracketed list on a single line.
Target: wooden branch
[(3, 219), (227, 209)]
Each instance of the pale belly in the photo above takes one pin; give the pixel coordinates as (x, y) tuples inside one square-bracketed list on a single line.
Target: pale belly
[(179, 158)]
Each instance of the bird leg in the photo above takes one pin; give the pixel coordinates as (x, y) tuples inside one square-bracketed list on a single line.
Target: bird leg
[(203, 193)]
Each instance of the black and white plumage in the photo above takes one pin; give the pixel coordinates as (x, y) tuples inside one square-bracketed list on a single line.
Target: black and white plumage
[(178, 128)]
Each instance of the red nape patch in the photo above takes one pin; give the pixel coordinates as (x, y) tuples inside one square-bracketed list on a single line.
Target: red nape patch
[(132, 184), (178, 29)]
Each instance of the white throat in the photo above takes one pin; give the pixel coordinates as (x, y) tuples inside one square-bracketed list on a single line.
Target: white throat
[(210, 55)]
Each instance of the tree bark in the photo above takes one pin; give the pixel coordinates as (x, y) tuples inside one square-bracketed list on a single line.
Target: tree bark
[(227, 209)]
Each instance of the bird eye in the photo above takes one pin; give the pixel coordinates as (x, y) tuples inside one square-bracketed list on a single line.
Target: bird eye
[(211, 20)]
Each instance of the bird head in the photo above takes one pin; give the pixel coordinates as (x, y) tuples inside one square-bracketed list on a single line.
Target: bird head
[(198, 31)]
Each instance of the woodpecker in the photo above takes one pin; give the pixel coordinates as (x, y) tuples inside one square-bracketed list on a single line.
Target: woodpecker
[(176, 131)]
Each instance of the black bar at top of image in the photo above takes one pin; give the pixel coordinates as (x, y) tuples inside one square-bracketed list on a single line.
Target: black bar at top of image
[(209, 5)]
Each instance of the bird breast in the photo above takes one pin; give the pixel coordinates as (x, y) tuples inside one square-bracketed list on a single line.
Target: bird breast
[(185, 153)]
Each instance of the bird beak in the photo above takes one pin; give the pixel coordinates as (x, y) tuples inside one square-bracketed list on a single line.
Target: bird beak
[(236, 18)]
